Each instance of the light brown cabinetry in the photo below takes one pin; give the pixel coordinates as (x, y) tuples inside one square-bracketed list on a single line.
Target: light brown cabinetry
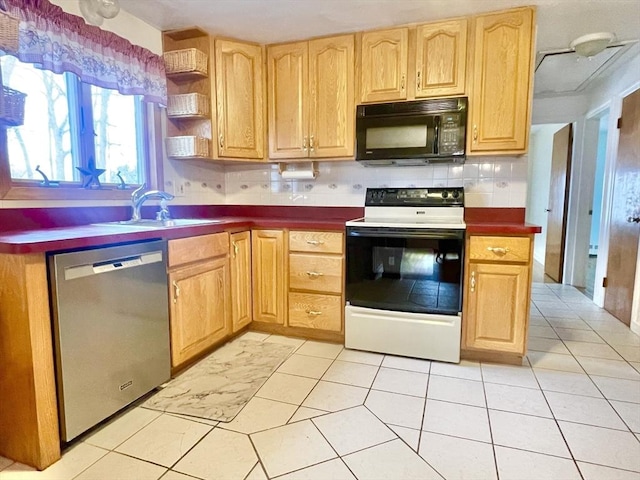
[(497, 293), (501, 82), (384, 65), (240, 261), (239, 91), (441, 58), (407, 63), (269, 276), (316, 285), (198, 123), (199, 294), (311, 98)]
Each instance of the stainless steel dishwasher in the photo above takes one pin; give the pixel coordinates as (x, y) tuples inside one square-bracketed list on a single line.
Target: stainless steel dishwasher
[(111, 329)]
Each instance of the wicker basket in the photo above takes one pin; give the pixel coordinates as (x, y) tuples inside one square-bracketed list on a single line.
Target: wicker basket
[(189, 60), (188, 105), (11, 107), (8, 30), (189, 146)]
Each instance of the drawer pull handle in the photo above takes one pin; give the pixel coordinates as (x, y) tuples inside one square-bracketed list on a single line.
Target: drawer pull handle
[(176, 291), (235, 249), (315, 274), (498, 250), (475, 134), (304, 143), (311, 144), (315, 242), (473, 282), (315, 313)]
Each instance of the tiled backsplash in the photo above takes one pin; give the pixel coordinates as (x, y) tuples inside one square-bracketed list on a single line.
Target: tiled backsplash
[(489, 182)]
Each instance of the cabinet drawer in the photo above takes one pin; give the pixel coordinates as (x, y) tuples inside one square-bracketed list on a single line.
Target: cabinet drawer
[(319, 273), (499, 249), (321, 242), (192, 249), (311, 310)]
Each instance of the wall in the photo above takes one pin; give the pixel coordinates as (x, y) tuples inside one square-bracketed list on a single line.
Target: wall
[(539, 178), (124, 24)]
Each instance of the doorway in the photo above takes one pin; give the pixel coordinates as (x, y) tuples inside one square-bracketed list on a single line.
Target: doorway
[(596, 206)]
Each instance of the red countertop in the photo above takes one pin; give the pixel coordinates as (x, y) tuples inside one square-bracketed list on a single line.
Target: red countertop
[(54, 229), (498, 221)]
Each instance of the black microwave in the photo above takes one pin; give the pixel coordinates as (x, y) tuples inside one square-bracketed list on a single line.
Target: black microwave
[(412, 133)]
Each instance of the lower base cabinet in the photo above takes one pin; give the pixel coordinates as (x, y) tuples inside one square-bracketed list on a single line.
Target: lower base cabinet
[(240, 262), (199, 298), (496, 300)]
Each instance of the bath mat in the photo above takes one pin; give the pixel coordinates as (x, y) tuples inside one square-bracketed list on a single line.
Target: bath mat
[(222, 383)]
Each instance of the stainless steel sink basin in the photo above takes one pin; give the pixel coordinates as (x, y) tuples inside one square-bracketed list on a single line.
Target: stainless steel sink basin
[(153, 224)]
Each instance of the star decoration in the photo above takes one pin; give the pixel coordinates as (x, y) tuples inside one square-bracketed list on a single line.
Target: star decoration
[(91, 174)]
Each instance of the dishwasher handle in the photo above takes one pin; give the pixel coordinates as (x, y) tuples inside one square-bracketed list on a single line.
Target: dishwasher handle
[(87, 270)]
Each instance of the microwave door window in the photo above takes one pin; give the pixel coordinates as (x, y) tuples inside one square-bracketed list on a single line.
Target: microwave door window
[(403, 136)]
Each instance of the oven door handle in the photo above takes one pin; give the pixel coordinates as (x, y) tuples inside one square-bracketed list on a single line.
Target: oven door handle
[(434, 234)]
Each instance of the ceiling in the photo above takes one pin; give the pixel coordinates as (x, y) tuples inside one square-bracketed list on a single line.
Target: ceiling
[(273, 21)]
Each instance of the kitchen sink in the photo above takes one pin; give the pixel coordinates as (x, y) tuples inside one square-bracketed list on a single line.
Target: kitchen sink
[(153, 224)]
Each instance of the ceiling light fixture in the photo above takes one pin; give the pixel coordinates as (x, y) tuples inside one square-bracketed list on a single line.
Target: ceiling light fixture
[(95, 11), (592, 43)]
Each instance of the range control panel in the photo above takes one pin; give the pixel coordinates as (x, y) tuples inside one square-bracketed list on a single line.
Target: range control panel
[(432, 196)]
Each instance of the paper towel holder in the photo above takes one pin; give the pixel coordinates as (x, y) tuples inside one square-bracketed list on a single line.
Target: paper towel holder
[(304, 174)]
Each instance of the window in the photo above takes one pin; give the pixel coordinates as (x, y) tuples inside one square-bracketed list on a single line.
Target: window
[(68, 124)]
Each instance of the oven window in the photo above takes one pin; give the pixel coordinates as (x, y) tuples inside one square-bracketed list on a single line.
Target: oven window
[(405, 274)]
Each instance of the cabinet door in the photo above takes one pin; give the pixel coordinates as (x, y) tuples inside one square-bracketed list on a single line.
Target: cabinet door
[(332, 99), (384, 65), (497, 307), (240, 105), (500, 103), (199, 308), (240, 280), (268, 267), (287, 86), (441, 58)]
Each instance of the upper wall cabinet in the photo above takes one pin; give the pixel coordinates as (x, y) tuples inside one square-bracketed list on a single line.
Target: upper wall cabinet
[(239, 88), (501, 82), (441, 58), (311, 98), (384, 65)]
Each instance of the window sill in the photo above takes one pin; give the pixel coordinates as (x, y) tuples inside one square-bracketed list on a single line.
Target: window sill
[(65, 193)]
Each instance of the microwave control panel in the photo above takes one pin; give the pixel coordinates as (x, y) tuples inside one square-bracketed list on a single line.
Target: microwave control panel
[(451, 140)]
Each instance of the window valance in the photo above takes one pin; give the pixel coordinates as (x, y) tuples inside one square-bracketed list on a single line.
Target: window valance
[(61, 42)]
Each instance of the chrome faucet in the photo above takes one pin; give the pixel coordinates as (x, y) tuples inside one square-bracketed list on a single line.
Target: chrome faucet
[(139, 196)]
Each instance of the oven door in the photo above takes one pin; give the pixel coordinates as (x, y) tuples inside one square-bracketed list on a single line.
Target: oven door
[(405, 269)]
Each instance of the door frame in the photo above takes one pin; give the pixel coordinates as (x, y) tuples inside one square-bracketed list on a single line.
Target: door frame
[(582, 191)]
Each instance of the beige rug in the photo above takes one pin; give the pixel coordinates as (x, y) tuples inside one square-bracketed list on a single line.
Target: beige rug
[(221, 384)]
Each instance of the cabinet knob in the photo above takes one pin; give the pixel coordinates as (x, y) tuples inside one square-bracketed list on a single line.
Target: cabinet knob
[(472, 282), (314, 313), (314, 274), (418, 84), (498, 250)]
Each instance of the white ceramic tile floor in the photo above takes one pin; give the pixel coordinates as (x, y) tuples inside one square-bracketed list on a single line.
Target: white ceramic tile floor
[(330, 413)]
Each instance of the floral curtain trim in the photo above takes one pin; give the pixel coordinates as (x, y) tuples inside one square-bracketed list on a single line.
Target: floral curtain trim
[(60, 42)]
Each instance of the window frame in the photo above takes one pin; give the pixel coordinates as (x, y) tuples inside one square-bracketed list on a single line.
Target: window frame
[(150, 140)]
